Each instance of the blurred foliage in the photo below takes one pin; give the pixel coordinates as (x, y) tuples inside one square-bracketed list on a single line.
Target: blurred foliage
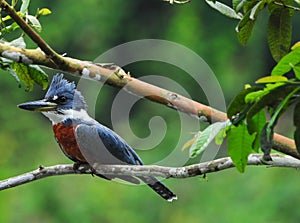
[(85, 31), (275, 94)]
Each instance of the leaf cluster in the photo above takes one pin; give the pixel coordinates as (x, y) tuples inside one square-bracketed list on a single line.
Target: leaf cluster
[(250, 129), (27, 73), (279, 28)]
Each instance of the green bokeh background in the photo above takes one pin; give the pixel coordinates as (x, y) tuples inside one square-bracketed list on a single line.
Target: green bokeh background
[(88, 28)]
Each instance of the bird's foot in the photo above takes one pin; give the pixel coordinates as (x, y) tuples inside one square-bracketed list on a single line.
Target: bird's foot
[(82, 168)]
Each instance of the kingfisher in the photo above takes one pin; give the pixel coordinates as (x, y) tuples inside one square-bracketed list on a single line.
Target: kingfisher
[(84, 140)]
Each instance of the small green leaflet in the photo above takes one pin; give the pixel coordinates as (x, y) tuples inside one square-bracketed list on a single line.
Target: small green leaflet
[(43, 12), (239, 146), (271, 79), (238, 4), (288, 62), (224, 9), (30, 74), (206, 137)]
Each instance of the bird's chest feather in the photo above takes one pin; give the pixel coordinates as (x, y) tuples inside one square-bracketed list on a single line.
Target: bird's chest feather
[(65, 136)]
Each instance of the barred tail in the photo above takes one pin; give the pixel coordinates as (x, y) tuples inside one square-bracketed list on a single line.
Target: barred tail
[(159, 188)]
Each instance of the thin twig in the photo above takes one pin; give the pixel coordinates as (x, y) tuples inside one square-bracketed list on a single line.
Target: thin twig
[(59, 60), (151, 170), (287, 6)]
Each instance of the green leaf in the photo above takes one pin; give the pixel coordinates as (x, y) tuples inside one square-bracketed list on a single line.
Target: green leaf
[(256, 123), (297, 124), (296, 70), (43, 12), (279, 32), (239, 146), (268, 130), (288, 62), (244, 28), (224, 9), (256, 9), (24, 6), (271, 79), (257, 95), (270, 97), (255, 126), (296, 45), (34, 22), (205, 138), (30, 74), (254, 96), (238, 4), (238, 103)]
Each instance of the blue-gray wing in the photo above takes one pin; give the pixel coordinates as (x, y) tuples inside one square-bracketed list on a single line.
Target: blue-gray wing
[(100, 145)]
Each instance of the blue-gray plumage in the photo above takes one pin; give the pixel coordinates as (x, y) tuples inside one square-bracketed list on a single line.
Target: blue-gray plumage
[(83, 139)]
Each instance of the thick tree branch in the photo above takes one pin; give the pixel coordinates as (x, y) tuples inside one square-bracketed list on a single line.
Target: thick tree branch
[(151, 170), (114, 75)]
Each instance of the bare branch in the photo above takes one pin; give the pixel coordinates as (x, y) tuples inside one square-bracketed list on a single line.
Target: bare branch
[(151, 170)]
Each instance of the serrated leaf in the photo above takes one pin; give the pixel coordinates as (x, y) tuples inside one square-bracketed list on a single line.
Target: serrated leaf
[(271, 79), (206, 137), (34, 22), (224, 9), (24, 6), (244, 28), (287, 62), (239, 146), (279, 32), (30, 74)]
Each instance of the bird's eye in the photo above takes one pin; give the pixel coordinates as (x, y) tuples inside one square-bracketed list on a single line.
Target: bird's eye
[(62, 99)]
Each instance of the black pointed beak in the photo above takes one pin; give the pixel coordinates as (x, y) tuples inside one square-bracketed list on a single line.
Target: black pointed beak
[(38, 106)]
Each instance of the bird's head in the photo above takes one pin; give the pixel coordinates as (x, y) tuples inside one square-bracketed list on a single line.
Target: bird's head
[(62, 98)]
